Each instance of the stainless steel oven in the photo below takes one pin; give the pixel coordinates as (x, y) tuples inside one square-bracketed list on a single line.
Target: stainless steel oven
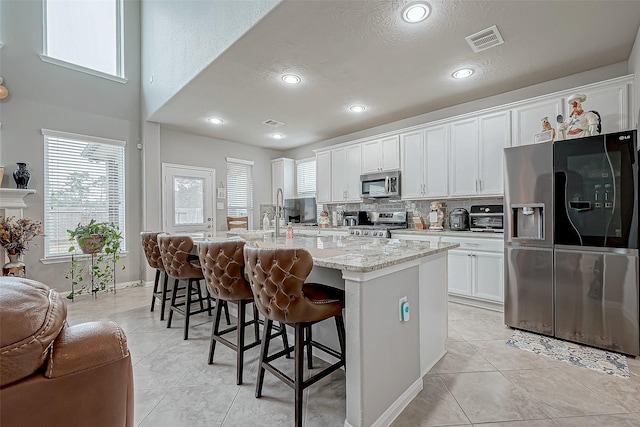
[(487, 218)]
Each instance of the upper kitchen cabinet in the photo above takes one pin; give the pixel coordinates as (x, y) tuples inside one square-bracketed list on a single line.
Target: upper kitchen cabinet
[(611, 101), (283, 173), (345, 177), (323, 177), (424, 163), (381, 154), (527, 119), (476, 149)]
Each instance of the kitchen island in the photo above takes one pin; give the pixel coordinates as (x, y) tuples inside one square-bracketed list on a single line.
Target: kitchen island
[(386, 358)]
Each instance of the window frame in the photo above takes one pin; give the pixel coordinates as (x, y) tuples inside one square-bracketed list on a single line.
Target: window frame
[(119, 77), (121, 187)]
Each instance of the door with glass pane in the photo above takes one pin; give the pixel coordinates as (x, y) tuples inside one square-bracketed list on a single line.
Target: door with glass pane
[(187, 199)]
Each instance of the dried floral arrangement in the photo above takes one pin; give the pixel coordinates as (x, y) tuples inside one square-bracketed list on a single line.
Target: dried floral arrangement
[(16, 233)]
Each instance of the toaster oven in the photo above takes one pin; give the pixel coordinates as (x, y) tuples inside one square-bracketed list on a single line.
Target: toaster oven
[(487, 218)]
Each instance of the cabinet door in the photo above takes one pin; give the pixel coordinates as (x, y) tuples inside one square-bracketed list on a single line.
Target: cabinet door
[(412, 180), (390, 157), (459, 272), (277, 178), (323, 177), (339, 174), (371, 156), (353, 165), (464, 158), (437, 162), (527, 119), (489, 275), (494, 137), (283, 172)]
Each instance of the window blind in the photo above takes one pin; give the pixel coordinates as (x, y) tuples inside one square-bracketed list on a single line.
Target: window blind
[(306, 177), (240, 188), (83, 180)]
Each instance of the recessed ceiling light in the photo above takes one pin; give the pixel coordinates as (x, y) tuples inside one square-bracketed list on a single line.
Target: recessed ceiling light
[(462, 74), (357, 108), (415, 12), (292, 79), (216, 121), (277, 136)]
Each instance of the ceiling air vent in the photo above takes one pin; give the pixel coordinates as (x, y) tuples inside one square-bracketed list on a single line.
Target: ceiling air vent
[(273, 123), (485, 39)]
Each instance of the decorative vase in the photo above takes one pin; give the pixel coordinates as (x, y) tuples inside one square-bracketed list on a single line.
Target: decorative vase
[(15, 267), (22, 176)]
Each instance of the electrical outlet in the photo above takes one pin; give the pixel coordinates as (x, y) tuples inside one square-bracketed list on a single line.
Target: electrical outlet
[(403, 307)]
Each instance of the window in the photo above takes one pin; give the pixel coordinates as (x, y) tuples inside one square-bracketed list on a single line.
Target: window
[(83, 180), (240, 188), (84, 35), (306, 177)]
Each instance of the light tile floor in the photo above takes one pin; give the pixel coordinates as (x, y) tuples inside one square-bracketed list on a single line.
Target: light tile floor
[(480, 381)]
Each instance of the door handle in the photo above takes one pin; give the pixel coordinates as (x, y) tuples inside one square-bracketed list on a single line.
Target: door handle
[(386, 184)]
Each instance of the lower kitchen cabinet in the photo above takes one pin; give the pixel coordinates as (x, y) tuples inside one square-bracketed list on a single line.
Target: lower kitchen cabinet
[(476, 272)]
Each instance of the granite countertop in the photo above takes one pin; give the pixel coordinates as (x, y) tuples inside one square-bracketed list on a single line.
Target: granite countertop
[(357, 254), (451, 233)]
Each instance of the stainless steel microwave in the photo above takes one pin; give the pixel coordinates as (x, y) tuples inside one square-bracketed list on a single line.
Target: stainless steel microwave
[(382, 184)]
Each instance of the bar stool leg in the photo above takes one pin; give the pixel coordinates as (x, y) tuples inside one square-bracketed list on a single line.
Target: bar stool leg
[(208, 301), (155, 290), (200, 297), (240, 346), (309, 353), (187, 308), (214, 332), (285, 339), (164, 294), (299, 371), (264, 351), (173, 302), (226, 312)]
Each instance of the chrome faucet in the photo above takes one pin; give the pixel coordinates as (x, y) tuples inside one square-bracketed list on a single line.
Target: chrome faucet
[(279, 209)]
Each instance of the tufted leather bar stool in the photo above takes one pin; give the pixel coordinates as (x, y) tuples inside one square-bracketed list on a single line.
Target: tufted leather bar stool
[(223, 269), (175, 252), (277, 277), (154, 259)]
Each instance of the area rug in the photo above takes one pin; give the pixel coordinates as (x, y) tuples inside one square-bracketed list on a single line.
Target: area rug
[(575, 354)]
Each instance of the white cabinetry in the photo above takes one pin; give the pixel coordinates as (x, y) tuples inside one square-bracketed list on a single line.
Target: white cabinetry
[(283, 173), (381, 154), (476, 155), (323, 177), (476, 271), (345, 177), (527, 119), (424, 163)]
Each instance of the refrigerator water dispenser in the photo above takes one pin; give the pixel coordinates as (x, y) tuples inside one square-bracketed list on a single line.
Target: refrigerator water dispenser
[(527, 221)]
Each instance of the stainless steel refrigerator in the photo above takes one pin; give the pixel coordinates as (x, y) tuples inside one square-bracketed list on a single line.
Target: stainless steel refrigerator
[(571, 240)]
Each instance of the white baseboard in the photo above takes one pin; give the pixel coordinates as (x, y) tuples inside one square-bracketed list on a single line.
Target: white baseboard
[(398, 406)]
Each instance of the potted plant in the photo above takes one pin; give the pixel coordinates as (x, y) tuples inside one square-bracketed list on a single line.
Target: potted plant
[(102, 241)]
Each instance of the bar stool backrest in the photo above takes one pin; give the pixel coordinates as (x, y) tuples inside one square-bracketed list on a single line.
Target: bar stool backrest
[(151, 249), (277, 278), (174, 251), (223, 268)]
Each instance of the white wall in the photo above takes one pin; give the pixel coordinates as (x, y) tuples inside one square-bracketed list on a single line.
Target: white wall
[(565, 83), (634, 68), (48, 96), (180, 38), (194, 150)]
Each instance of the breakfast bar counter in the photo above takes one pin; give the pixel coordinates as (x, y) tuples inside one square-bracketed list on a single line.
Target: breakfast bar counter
[(386, 357)]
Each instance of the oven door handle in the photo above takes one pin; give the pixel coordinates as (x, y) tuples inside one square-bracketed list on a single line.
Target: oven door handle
[(386, 184)]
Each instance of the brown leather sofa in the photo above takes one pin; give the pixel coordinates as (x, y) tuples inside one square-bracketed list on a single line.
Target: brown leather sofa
[(53, 374)]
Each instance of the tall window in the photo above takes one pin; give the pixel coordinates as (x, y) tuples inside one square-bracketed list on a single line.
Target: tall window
[(86, 33), (83, 180), (240, 188), (306, 177)]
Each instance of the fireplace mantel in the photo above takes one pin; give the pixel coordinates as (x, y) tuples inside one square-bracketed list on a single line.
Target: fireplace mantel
[(13, 198)]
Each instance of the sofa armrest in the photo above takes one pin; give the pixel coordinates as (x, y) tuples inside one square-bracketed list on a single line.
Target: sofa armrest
[(86, 346)]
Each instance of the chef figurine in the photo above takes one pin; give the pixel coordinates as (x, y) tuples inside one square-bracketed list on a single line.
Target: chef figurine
[(580, 123), (436, 216)]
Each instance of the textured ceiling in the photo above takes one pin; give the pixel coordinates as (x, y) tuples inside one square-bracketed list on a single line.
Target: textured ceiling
[(362, 52)]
